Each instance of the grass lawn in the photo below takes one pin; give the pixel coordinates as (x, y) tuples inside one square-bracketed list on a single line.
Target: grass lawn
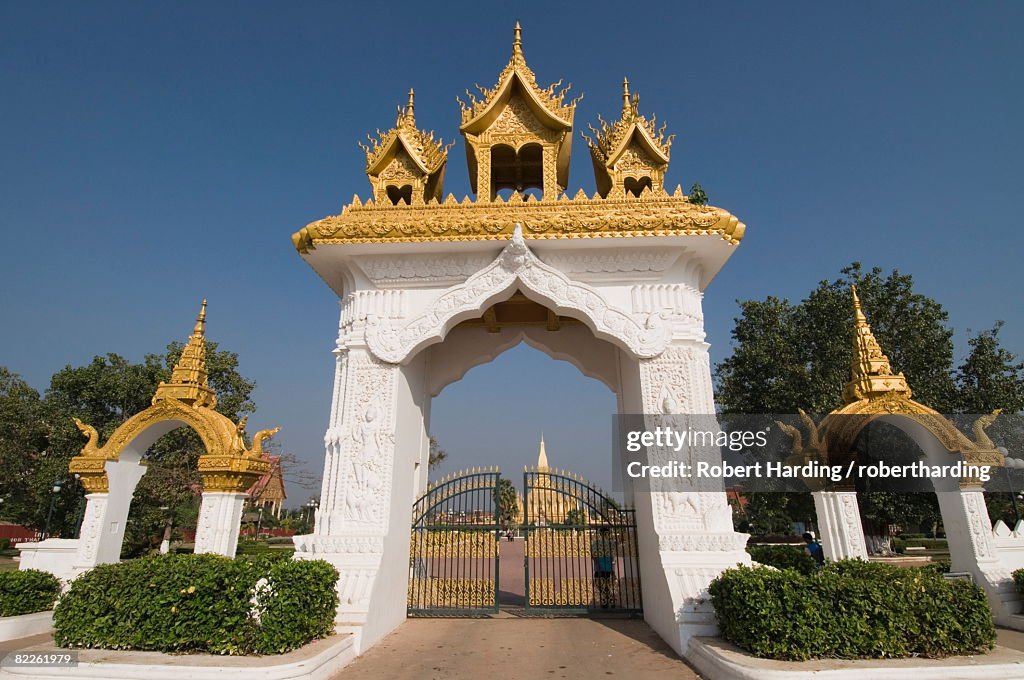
[(7, 564)]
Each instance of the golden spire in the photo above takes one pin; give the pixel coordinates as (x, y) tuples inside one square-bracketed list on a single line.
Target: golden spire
[(871, 375), (626, 108), (189, 380), (409, 114), (517, 42), (542, 455)]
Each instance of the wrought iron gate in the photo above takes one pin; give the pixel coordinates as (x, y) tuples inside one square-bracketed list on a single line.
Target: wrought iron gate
[(581, 552), (453, 564)]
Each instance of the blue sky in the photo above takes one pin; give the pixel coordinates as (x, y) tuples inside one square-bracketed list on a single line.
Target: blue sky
[(152, 154)]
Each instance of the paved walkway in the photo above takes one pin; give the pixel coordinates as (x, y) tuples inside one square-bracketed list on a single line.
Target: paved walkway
[(519, 649)]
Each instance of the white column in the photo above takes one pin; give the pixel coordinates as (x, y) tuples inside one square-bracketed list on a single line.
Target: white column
[(220, 518), (839, 525), (972, 549), (362, 526), (685, 532), (106, 515)]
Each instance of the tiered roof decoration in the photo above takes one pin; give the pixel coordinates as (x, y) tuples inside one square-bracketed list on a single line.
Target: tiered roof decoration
[(189, 381), (870, 373), (631, 154), (406, 164), (518, 137)]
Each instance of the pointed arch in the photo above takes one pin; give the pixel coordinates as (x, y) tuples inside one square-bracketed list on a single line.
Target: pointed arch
[(516, 267)]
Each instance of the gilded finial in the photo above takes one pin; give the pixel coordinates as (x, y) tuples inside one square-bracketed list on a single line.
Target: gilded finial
[(858, 311), (189, 380), (870, 372), (517, 41), (410, 115), (200, 327), (625, 97)]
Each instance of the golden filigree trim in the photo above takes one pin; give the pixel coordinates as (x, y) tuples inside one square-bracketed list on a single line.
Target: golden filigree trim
[(651, 214)]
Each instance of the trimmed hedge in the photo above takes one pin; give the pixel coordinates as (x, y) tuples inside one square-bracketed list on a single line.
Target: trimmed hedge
[(783, 557), (27, 591), (199, 603), (900, 544), (850, 610)]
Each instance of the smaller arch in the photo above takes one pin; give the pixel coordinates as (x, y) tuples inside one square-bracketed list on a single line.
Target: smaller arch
[(227, 465)]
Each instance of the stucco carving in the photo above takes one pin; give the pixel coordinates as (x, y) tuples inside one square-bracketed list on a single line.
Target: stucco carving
[(408, 270), (516, 265)]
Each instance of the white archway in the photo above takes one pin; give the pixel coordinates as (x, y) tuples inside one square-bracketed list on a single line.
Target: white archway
[(400, 342), (516, 267)]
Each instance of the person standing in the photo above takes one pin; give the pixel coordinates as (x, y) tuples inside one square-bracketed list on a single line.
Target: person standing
[(815, 550)]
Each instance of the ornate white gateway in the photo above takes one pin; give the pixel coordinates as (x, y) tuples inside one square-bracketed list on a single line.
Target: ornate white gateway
[(430, 288)]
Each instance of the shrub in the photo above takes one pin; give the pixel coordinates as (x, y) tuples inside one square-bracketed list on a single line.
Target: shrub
[(783, 557), (198, 603), (851, 609), (296, 604), (901, 544), (27, 591), (940, 567), (1018, 580), (5, 544)]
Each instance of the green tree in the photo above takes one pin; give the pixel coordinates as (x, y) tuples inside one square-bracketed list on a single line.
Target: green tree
[(788, 356), (697, 195), (990, 377), (507, 501), (104, 393), (436, 455), (22, 443), (797, 355)]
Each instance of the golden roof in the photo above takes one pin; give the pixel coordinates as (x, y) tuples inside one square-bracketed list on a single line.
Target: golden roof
[(652, 214), (871, 375), (518, 114), (427, 153), (189, 381), (612, 139), (548, 104)]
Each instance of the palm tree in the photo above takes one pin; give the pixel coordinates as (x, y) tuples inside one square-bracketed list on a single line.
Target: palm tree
[(506, 499)]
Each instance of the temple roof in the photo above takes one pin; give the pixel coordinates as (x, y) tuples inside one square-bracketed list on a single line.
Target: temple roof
[(427, 153), (612, 139), (546, 104), (269, 487)]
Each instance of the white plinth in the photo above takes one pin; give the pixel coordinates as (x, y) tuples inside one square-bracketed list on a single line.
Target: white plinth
[(719, 660), (14, 627), (55, 555), (320, 660)]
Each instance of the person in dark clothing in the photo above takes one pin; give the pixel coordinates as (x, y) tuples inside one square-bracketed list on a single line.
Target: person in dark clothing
[(602, 552), (815, 549)]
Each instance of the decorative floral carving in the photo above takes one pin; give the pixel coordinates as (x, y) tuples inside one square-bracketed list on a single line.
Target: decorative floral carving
[(411, 269), (652, 214), (516, 263), (703, 542)]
